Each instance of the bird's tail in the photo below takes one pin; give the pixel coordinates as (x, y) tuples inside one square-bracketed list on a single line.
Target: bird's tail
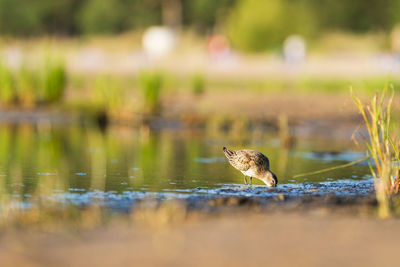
[(228, 153)]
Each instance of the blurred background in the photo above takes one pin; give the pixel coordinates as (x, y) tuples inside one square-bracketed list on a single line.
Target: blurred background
[(105, 103), (127, 56), (93, 91)]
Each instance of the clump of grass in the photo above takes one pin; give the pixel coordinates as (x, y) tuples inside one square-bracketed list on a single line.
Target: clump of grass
[(27, 87), (7, 88), (198, 83), (107, 95), (54, 81), (381, 147), (151, 84)]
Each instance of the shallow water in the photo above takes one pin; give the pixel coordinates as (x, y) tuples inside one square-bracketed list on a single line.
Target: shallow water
[(80, 163)]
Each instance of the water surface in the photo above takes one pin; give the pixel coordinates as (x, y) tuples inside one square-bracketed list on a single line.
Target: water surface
[(74, 162)]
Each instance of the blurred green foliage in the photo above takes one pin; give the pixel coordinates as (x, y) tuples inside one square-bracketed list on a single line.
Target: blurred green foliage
[(151, 84), (54, 81), (7, 88), (114, 16), (198, 83), (100, 16), (107, 94), (356, 15), (203, 15), (28, 87), (252, 24), (25, 17), (255, 25)]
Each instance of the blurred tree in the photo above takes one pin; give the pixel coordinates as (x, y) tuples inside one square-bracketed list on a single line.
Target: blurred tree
[(172, 13), (20, 17), (142, 13), (255, 25), (252, 24), (203, 15), (57, 16), (32, 17), (101, 16), (113, 16), (356, 15)]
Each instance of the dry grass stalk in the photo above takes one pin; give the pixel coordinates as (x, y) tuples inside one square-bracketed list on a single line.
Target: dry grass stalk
[(381, 147)]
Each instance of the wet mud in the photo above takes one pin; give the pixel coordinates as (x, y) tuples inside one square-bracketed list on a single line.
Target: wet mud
[(288, 196)]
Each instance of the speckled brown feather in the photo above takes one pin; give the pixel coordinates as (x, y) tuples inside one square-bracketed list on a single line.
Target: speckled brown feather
[(245, 159)]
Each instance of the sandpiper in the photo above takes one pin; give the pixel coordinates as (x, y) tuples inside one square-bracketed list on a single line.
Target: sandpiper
[(253, 164)]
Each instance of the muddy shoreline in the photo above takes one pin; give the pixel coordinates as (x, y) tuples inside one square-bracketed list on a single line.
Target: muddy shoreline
[(314, 231), (347, 194), (311, 224)]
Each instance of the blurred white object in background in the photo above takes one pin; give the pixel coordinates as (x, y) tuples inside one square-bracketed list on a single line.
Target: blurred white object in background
[(294, 50), (12, 56), (158, 41), (386, 63)]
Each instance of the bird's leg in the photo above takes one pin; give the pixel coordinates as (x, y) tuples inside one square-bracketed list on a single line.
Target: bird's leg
[(251, 180), (245, 180)]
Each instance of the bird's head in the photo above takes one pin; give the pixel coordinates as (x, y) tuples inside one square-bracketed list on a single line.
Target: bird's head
[(270, 179)]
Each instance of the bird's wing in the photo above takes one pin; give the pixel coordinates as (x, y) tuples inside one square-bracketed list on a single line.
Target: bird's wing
[(240, 159), (259, 159)]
